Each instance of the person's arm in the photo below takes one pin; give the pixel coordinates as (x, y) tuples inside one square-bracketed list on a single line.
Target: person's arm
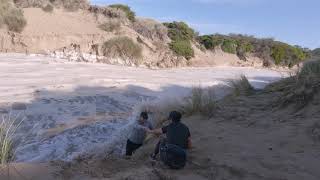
[(159, 131), (189, 143), (155, 131), (189, 140)]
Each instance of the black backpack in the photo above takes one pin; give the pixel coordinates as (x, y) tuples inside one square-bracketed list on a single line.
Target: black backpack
[(173, 156)]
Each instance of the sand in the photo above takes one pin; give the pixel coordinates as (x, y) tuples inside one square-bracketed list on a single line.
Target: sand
[(76, 108)]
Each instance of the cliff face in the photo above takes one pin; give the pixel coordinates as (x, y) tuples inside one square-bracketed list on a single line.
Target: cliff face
[(76, 36)]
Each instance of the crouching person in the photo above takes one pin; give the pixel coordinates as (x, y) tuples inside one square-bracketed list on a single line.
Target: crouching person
[(138, 134), (173, 148)]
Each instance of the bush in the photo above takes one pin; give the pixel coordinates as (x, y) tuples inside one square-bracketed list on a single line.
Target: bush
[(180, 31), (270, 51), (241, 87), (316, 52), (229, 46), (182, 48), (278, 53), (15, 20), (11, 16), (110, 26), (122, 47), (206, 41), (181, 35), (48, 8), (301, 89), (130, 14), (310, 68), (284, 54)]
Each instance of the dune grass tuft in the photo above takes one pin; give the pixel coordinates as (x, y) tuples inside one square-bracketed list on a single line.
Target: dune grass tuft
[(48, 8), (301, 89), (123, 47), (8, 127), (111, 26), (11, 16), (241, 87), (201, 101)]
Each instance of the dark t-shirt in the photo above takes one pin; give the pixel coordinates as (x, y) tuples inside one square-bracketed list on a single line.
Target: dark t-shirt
[(177, 134)]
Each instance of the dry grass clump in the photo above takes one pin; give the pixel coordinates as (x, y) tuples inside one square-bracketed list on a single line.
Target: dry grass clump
[(8, 127), (48, 8), (311, 68), (151, 29), (108, 12), (11, 16), (69, 5), (301, 89), (241, 87), (1, 22), (201, 101), (15, 20), (122, 47), (111, 26), (126, 9), (73, 5)]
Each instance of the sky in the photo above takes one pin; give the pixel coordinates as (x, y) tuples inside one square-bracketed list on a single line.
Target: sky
[(296, 22)]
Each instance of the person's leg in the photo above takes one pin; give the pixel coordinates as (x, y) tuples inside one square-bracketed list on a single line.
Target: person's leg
[(135, 147), (131, 147), (157, 149)]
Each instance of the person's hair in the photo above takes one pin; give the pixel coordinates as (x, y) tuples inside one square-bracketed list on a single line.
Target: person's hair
[(175, 116), (144, 115)]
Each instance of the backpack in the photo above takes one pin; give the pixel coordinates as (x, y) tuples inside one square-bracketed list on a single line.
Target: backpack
[(173, 156)]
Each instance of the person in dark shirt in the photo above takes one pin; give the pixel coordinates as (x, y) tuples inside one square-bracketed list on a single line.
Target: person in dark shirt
[(176, 133)]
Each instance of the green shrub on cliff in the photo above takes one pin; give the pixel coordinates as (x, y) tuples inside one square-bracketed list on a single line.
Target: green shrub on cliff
[(229, 46), (272, 52), (181, 35), (129, 13), (179, 31), (182, 48), (284, 54)]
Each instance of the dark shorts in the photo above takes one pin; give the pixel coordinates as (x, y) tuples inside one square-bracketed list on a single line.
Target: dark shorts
[(173, 156), (131, 147)]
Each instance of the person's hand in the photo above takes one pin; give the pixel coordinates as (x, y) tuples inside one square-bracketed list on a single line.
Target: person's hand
[(147, 129)]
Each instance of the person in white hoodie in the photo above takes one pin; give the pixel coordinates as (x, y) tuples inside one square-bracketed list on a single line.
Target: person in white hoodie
[(138, 134)]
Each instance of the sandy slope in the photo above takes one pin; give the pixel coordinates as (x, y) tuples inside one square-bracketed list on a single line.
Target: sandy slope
[(246, 140), (68, 104), (249, 138)]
